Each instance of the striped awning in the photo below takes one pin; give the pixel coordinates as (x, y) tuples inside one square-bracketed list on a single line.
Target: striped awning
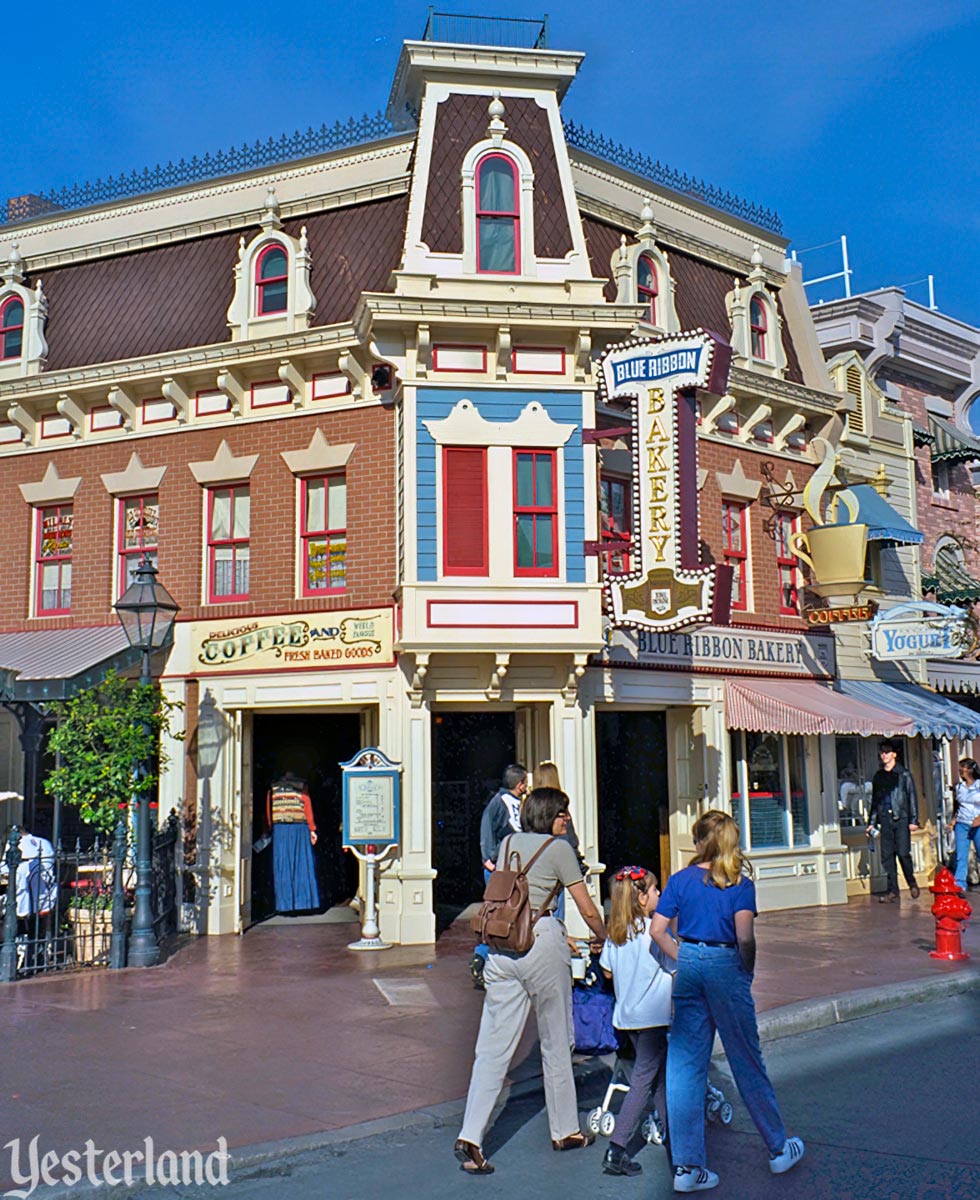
[(951, 444), (807, 706), (52, 664), (883, 522), (931, 715), (950, 581)]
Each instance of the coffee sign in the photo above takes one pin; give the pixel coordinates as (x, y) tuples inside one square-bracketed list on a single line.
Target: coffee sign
[(668, 588)]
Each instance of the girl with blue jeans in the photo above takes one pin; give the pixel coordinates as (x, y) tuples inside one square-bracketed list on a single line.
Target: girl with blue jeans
[(966, 817), (713, 902)]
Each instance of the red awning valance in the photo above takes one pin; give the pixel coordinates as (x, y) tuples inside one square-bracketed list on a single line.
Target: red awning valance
[(806, 706)]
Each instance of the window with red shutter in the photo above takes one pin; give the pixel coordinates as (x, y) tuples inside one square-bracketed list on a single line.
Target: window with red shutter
[(464, 511)]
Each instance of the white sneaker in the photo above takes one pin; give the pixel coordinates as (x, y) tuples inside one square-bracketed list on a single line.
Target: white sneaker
[(694, 1179), (788, 1157)]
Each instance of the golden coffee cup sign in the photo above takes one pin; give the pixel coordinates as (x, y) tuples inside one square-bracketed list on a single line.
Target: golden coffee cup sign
[(668, 587), (834, 549)]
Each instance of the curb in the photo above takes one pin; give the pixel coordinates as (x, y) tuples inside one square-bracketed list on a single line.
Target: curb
[(807, 1015)]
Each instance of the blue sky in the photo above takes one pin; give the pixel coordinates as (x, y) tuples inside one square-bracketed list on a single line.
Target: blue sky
[(846, 116)]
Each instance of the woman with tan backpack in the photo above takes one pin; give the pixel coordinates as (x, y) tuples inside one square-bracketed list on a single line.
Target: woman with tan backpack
[(518, 911)]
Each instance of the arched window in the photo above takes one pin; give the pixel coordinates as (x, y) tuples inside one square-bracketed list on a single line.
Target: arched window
[(498, 216), (271, 281), (11, 329), (646, 286), (759, 325)]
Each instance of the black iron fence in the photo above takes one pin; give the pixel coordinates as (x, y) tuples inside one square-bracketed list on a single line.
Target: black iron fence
[(65, 909)]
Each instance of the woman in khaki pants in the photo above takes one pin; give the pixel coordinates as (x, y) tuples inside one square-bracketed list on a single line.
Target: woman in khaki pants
[(540, 979)]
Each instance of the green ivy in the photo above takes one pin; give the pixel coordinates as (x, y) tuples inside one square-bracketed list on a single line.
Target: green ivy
[(109, 741)]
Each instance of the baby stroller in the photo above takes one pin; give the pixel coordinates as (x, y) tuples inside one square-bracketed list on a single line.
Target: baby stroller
[(603, 1120)]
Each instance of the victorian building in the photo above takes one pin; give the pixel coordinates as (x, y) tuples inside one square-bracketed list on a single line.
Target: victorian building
[(478, 441)]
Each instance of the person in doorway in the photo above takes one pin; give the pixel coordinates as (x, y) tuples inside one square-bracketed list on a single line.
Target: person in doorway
[(36, 879), (546, 775), (966, 817), (894, 814), (289, 816), (501, 816), (642, 977), (713, 903), (540, 979)]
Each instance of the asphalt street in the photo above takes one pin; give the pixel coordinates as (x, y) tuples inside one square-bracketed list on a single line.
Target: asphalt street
[(887, 1107)]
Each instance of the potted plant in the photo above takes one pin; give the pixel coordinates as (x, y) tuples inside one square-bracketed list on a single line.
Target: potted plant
[(89, 916)]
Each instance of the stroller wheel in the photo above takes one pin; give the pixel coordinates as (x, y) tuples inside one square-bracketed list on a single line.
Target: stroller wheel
[(607, 1124), (595, 1118), (711, 1110), (652, 1131), (726, 1112)]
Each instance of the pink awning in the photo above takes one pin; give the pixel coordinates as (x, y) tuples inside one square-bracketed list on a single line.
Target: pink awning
[(806, 706)]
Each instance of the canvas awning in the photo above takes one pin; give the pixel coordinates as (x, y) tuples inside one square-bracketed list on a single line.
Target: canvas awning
[(954, 675), (807, 706), (951, 445), (951, 582), (883, 522), (931, 715), (53, 664)]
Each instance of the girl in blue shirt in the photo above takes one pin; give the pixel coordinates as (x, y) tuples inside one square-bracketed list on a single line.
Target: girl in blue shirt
[(713, 903)]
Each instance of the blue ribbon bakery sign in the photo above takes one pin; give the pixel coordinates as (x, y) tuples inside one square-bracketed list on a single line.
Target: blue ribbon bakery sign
[(667, 586)]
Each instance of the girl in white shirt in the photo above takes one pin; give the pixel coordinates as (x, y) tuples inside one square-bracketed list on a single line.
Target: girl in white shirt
[(966, 817), (642, 978)]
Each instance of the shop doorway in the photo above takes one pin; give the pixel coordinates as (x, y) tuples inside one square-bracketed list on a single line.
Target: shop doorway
[(311, 745), (469, 753), (631, 758)]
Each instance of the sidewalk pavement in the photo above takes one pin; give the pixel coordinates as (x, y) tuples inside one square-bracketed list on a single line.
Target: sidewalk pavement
[(285, 1036)]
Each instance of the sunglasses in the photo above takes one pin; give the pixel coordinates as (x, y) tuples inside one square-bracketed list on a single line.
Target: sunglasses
[(637, 874)]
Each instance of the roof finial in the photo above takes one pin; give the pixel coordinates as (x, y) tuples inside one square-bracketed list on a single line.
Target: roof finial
[(13, 271), (270, 217), (647, 229), (496, 130)]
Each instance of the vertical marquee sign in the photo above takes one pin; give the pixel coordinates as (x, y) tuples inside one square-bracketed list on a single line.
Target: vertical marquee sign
[(669, 588)]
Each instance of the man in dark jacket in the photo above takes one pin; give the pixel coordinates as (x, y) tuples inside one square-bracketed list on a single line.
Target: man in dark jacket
[(501, 817), (895, 813)]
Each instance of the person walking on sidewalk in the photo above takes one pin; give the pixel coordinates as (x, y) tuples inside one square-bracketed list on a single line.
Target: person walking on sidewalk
[(540, 979), (713, 903), (501, 816), (546, 775), (642, 977), (966, 817), (894, 813)]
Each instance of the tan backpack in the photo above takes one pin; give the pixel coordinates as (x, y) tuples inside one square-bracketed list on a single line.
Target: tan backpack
[(505, 921)]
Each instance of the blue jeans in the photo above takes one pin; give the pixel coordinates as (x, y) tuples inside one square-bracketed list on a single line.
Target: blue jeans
[(713, 990), (483, 949), (964, 834)]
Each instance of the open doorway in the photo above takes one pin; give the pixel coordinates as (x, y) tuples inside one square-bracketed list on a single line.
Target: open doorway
[(469, 753), (312, 746), (631, 757)]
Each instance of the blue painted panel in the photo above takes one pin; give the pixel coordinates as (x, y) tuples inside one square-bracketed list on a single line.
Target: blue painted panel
[(434, 404)]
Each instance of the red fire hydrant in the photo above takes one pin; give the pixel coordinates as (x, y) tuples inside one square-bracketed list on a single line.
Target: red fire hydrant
[(950, 910)]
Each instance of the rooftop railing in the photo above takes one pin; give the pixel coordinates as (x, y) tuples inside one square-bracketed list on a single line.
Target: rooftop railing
[(463, 30)]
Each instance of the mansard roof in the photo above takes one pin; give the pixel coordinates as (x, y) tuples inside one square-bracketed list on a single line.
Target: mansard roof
[(700, 292), (176, 296)]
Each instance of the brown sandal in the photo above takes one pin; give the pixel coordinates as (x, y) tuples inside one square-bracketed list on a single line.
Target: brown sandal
[(574, 1141), (471, 1158)]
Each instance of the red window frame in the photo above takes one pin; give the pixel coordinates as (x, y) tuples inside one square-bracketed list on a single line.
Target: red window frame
[(536, 512), (472, 460), (614, 537), (133, 554), (328, 534), (9, 328), (758, 326), (735, 551), (787, 564), (261, 284), (645, 294), (514, 213), (236, 544), (56, 556)]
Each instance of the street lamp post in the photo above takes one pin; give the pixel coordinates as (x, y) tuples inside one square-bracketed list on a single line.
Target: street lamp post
[(147, 613), (211, 735)]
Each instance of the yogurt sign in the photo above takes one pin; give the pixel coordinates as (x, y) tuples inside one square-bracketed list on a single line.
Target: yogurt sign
[(920, 629)]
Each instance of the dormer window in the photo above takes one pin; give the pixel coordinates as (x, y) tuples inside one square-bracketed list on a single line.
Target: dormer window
[(646, 287), (271, 281), (497, 216), (11, 329), (759, 326)]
